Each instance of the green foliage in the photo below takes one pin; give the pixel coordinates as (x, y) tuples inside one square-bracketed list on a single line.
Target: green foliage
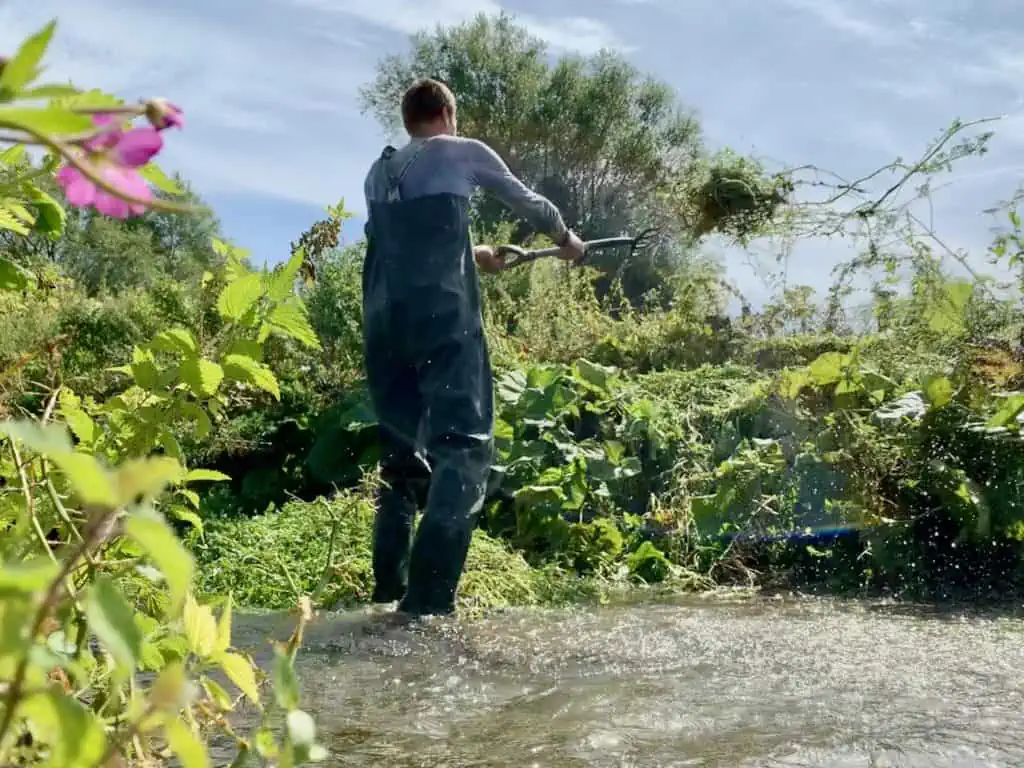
[(322, 548), (112, 515)]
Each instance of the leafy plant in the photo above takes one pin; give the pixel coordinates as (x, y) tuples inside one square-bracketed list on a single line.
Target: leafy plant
[(90, 487)]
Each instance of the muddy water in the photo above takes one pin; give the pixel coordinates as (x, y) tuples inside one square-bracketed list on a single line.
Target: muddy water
[(697, 682)]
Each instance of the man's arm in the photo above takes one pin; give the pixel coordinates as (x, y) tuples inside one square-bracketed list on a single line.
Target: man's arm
[(488, 171)]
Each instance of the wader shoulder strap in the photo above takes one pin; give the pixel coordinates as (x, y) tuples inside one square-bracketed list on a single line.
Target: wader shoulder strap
[(393, 192)]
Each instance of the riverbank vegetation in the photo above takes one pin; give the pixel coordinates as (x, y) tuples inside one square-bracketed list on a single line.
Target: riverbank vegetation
[(183, 426)]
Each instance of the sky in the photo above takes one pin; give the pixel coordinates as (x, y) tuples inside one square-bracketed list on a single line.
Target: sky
[(274, 130)]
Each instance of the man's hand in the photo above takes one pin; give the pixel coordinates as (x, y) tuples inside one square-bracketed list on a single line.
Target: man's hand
[(487, 260), (573, 248)]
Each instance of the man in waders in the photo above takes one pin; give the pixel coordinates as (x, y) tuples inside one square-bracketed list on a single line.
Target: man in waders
[(426, 357)]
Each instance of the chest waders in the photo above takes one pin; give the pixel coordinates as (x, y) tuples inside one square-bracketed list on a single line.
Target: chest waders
[(429, 376)]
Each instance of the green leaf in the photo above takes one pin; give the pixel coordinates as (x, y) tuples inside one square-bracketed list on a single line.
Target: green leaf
[(23, 67), (191, 496), (170, 444), (247, 348), (91, 99), (200, 475), (199, 416), (50, 91), (1008, 412), (200, 628), (217, 693), (140, 479), (15, 208), (50, 215), (150, 659), (286, 682), (265, 745), (938, 390), (45, 120), (290, 319), (13, 154), (91, 482), (792, 383), (224, 627), (239, 670), (88, 478), (81, 425), (47, 439), (176, 341), (282, 281), (14, 277), (146, 375), (248, 371), (202, 376), (75, 736), (166, 551), (11, 223), (239, 296), (152, 173), (828, 368), (186, 516), (596, 375), (184, 743), (110, 618), (948, 313), (29, 576)]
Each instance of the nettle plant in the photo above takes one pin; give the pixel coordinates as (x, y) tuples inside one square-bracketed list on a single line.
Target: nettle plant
[(88, 677)]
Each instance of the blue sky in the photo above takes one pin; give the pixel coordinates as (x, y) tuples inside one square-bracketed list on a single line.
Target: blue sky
[(274, 131)]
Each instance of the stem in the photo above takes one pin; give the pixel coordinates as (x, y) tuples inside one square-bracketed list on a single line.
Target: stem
[(30, 502), (129, 735), (14, 692), (62, 511)]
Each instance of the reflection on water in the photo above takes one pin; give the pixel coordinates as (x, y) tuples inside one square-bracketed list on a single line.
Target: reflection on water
[(693, 683)]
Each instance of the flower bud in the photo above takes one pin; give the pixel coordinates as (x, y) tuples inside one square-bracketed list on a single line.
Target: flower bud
[(163, 114)]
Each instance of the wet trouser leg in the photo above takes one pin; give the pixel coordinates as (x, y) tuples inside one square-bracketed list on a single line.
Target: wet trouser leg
[(455, 384), (405, 474)]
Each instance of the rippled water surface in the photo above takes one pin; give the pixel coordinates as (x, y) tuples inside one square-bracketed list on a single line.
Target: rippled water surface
[(693, 683)]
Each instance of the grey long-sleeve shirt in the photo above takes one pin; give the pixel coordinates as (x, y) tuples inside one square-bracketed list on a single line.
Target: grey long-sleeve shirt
[(459, 166)]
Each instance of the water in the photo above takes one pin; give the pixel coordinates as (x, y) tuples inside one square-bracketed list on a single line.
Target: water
[(697, 682)]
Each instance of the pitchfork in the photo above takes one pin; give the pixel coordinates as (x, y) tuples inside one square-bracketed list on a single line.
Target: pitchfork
[(514, 255)]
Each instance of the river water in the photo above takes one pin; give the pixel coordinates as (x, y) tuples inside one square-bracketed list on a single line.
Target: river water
[(688, 682)]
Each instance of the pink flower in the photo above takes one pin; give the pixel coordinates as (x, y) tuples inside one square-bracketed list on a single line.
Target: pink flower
[(114, 156)]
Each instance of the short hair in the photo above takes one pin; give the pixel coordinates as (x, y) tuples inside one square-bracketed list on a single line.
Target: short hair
[(425, 100)]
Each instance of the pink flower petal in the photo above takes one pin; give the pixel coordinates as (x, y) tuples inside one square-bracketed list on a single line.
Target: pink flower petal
[(130, 182), (103, 141), (137, 147), (79, 191), (67, 174), (112, 206), (108, 137)]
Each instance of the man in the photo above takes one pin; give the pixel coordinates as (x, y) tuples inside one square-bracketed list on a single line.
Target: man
[(426, 357)]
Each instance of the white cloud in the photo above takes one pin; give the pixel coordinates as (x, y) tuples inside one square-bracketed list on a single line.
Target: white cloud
[(841, 16), (583, 34)]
